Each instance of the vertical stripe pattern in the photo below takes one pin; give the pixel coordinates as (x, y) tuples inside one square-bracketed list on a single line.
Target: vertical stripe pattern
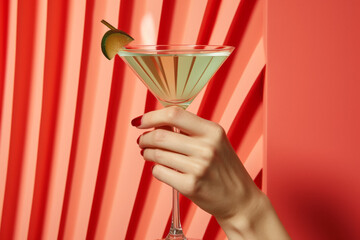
[(70, 167)]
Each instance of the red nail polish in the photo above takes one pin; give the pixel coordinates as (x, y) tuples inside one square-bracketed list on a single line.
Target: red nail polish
[(142, 152), (136, 121), (138, 139)]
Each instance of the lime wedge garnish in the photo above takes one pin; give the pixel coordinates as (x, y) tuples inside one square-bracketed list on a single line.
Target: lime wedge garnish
[(113, 41)]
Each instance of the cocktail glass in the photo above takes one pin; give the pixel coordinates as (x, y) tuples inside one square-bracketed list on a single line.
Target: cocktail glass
[(175, 74)]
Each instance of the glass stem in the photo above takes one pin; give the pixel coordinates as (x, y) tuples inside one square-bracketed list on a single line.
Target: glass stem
[(175, 229), (176, 211)]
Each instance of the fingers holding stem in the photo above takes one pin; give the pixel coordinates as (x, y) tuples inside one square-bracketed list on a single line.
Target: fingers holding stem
[(170, 160), (171, 141), (171, 177), (181, 158), (187, 122)]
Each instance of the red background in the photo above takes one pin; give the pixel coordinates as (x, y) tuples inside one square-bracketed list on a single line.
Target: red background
[(313, 117)]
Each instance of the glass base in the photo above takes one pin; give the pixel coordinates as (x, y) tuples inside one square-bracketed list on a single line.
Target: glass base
[(176, 237), (175, 233), (180, 239)]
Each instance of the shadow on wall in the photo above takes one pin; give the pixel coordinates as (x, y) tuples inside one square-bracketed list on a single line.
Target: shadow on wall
[(325, 220)]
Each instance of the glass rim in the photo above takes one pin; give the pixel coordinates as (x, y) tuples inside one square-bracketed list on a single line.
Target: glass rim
[(165, 48)]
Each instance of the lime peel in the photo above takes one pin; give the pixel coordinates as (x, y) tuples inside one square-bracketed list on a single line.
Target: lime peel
[(113, 41)]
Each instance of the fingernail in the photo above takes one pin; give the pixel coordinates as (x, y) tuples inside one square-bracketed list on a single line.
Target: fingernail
[(138, 139), (142, 152), (136, 121)]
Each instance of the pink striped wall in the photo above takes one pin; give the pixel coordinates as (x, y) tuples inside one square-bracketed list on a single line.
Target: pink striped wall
[(70, 167)]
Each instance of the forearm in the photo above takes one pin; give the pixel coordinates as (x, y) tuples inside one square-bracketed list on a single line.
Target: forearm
[(258, 221)]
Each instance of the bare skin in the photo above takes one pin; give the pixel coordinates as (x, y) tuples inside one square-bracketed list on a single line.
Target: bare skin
[(201, 164)]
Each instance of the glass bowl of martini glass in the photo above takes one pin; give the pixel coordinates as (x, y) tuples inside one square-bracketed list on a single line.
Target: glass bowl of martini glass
[(175, 74)]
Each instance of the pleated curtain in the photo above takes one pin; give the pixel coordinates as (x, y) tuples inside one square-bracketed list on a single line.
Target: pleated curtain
[(70, 167)]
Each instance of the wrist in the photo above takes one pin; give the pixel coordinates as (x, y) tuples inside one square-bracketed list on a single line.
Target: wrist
[(241, 225), (257, 220)]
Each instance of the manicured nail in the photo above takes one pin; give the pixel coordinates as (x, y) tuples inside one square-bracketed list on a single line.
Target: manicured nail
[(136, 121), (138, 139), (142, 152)]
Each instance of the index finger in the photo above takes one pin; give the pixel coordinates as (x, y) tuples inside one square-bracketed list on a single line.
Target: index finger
[(187, 122)]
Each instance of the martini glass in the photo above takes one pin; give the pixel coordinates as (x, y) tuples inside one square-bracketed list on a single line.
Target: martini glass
[(175, 74)]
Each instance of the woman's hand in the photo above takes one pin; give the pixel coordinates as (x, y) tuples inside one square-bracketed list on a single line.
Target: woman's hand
[(201, 164)]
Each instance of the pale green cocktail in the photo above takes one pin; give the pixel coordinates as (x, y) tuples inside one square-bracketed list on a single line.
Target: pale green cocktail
[(174, 76)]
